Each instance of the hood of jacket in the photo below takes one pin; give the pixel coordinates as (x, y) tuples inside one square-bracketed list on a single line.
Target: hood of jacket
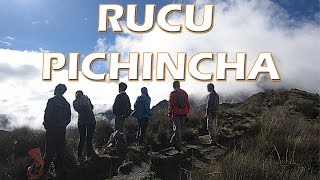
[(142, 98)]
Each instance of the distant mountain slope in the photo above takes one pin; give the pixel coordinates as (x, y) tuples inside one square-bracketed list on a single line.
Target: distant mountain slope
[(4, 121)]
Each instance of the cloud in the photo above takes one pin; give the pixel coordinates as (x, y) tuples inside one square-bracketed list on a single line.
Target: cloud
[(242, 26), (20, 72), (43, 50), (6, 43), (10, 38), (35, 22), (7, 40), (101, 45), (246, 26), (46, 21)]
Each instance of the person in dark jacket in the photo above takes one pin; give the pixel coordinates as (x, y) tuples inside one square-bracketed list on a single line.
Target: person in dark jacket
[(121, 107), (179, 107), (142, 113), (86, 124), (56, 118), (212, 113)]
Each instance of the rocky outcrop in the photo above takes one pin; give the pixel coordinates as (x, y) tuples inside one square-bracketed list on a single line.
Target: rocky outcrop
[(172, 164)]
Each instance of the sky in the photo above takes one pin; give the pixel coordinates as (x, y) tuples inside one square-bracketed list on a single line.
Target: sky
[(288, 29)]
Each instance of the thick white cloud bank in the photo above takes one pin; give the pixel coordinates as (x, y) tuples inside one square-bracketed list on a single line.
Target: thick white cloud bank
[(240, 26)]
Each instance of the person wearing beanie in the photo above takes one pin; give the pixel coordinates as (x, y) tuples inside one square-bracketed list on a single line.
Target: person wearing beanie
[(56, 118), (142, 113)]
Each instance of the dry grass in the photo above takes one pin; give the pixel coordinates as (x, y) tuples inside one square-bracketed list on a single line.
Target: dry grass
[(287, 147)]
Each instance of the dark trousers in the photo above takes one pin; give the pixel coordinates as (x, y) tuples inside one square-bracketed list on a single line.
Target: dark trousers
[(86, 132), (178, 121), (119, 122), (55, 145), (143, 124)]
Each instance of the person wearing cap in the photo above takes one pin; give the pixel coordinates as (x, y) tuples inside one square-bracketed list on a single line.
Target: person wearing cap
[(121, 107), (56, 118), (142, 113)]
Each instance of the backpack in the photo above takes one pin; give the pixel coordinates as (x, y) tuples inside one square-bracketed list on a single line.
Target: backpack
[(35, 169), (181, 102), (118, 142)]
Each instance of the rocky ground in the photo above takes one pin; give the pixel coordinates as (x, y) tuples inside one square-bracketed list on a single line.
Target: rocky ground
[(158, 161)]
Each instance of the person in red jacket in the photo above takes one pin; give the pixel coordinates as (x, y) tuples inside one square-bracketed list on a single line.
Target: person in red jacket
[(179, 107)]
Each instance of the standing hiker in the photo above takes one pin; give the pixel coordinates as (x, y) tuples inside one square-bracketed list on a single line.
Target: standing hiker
[(121, 107), (143, 113), (56, 118), (86, 124), (179, 107), (212, 114)]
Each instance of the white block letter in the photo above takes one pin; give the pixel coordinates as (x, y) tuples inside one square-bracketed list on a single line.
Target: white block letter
[(147, 66), (194, 66), (163, 15), (52, 61), (73, 66), (87, 65), (148, 19), (264, 64), (207, 18), (104, 9), (223, 65), (177, 71), (116, 65)]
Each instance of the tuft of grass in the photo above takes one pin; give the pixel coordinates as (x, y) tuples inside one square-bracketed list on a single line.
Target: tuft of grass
[(287, 147), (102, 133)]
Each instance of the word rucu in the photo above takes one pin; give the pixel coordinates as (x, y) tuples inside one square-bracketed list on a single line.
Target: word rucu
[(161, 62), (150, 18)]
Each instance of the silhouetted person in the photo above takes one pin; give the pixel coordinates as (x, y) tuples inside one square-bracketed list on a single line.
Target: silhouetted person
[(143, 113), (212, 113), (121, 107), (56, 118), (86, 124), (179, 107)]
